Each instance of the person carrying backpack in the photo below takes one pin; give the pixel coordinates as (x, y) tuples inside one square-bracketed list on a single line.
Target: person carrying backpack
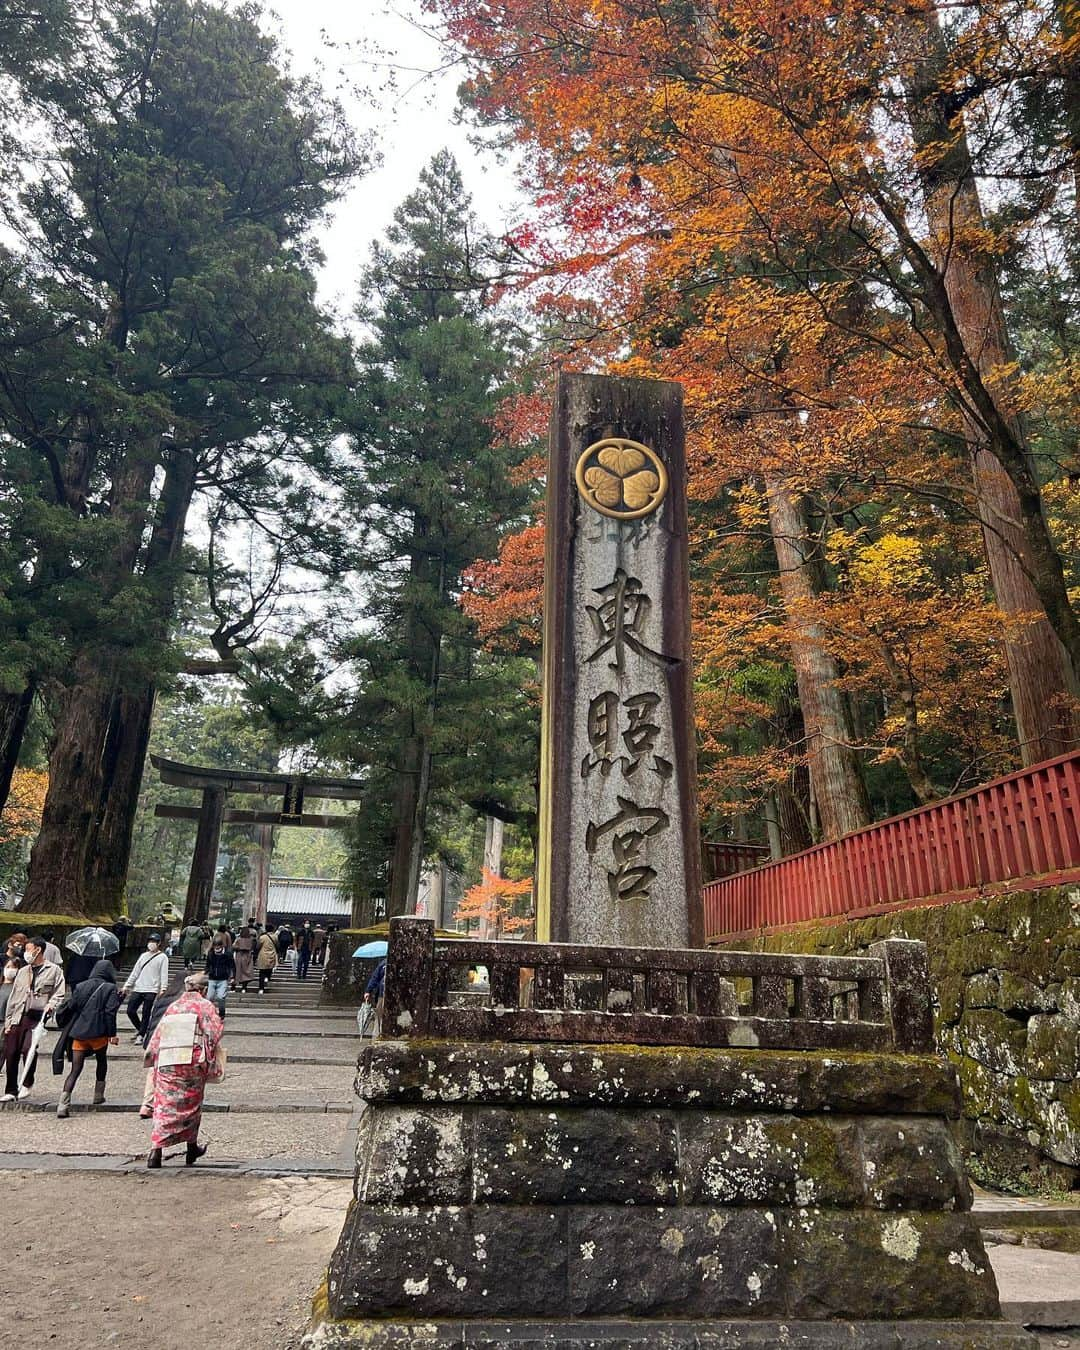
[(90, 1030)]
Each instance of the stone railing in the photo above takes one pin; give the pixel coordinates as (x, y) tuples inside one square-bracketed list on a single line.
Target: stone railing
[(645, 996)]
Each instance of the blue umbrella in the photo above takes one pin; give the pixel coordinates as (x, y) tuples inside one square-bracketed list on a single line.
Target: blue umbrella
[(376, 948)]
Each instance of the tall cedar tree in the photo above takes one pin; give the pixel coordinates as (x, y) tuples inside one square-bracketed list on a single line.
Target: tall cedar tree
[(433, 488), (159, 337), (34, 35)]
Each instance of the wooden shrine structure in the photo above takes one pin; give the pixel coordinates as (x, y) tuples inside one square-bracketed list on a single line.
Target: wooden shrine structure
[(216, 785)]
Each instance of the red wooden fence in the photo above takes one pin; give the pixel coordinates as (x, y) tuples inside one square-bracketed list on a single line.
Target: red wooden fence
[(1024, 825), (724, 859)]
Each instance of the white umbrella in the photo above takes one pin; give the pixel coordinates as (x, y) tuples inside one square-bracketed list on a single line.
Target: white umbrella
[(97, 942), (35, 1041)]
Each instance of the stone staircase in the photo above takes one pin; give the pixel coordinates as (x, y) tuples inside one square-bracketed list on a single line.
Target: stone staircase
[(285, 990)]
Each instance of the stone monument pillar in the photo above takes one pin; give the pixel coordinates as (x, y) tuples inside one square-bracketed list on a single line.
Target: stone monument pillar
[(619, 854)]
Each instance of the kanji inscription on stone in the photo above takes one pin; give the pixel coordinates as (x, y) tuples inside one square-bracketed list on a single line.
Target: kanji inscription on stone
[(619, 833)]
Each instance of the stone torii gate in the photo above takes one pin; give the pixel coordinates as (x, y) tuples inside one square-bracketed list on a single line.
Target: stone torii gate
[(215, 785)]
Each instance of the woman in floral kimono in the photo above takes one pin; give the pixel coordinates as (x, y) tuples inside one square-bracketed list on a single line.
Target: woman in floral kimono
[(182, 1051)]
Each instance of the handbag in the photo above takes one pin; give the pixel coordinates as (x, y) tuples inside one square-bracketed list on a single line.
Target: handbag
[(63, 1012), (218, 1064)]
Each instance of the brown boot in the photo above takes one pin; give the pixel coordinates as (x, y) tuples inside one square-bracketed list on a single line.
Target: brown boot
[(99, 1092), (153, 1158), (194, 1153)]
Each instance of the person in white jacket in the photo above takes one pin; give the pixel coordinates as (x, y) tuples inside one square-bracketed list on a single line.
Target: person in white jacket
[(147, 980)]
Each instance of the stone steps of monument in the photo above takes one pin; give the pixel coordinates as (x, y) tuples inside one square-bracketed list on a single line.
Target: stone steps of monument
[(1028, 1221)]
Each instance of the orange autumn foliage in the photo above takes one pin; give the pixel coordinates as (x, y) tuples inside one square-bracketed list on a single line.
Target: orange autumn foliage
[(493, 904), (505, 597), (732, 198)]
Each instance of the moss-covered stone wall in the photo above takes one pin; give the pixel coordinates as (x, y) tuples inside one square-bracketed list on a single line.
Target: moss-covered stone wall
[(63, 925), (60, 925), (1006, 977), (346, 976)]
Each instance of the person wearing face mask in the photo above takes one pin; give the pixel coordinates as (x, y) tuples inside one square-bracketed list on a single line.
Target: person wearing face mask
[(220, 969), (12, 965), (36, 990), (148, 978)]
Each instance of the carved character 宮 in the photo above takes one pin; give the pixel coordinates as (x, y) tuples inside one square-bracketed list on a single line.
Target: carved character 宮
[(631, 827)]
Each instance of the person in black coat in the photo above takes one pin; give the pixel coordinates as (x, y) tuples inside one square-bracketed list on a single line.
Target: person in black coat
[(80, 967), (220, 970), (90, 1030)]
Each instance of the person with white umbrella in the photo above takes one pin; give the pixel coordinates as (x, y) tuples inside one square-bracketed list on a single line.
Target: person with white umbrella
[(37, 989)]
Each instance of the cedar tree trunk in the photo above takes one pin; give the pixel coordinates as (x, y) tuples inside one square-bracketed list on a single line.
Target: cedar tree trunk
[(962, 291), (257, 882), (56, 883), (835, 772), (131, 708)]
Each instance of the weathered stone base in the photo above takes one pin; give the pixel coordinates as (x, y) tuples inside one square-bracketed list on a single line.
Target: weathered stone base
[(670, 1335), (637, 1261), (636, 1195)]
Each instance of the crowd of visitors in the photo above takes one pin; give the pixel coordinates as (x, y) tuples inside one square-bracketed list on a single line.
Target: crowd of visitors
[(178, 1020)]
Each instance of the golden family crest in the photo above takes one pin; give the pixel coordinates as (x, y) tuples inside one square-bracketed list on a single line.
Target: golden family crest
[(622, 479)]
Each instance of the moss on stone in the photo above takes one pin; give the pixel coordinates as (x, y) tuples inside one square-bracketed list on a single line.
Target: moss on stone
[(1006, 976), (1069, 1097), (1023, 1099), (982, 990), (1053, 1048), (950, 994)]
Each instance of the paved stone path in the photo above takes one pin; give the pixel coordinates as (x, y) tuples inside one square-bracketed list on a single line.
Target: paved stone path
[(287, 1104), (228, 1252), (171, 1260)]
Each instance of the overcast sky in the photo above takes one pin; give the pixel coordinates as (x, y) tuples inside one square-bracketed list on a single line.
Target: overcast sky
[(389, 74)]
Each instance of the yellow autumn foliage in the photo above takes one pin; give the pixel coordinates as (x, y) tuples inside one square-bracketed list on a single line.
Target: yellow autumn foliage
[(21, 815)]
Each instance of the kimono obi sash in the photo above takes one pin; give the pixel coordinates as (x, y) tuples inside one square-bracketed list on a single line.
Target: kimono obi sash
[(176, 1043)]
